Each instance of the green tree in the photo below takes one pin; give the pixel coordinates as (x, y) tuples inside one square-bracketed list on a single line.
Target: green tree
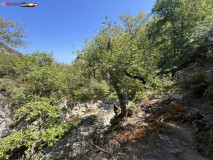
[(202, 37), (133, 24), (12, 33), (172, 26), (115, 56), (42, 75)]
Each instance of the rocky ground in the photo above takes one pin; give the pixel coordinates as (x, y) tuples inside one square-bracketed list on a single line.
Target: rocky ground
[(177, 144), (172, 139), (176, 140)]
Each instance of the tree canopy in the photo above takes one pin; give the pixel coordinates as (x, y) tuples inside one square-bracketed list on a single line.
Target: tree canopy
[(12, 33)]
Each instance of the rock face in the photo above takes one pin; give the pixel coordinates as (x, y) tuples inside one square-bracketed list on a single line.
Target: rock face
[(5, 120), (95, 119)]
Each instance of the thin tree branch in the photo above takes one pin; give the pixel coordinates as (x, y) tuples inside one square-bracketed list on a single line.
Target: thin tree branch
[(135, 77)]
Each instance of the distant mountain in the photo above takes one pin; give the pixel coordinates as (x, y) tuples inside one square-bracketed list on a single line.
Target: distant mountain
[(4, 49)]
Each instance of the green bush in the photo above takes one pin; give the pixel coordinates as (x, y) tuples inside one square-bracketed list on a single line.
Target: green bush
[(48, 129), (140, 95), (7, 64), (92, 91), (131, 106), (197, 82), (160, 84)]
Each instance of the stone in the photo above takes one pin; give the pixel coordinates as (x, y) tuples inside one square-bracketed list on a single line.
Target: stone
[(4, 132), (194, 114)]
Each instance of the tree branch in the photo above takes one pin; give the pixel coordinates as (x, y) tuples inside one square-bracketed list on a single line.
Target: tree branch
[(135, 77)]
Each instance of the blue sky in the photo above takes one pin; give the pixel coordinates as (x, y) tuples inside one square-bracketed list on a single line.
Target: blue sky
[(55, 26)]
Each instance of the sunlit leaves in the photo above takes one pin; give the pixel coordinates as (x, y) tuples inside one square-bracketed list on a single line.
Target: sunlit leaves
[(12, 33)]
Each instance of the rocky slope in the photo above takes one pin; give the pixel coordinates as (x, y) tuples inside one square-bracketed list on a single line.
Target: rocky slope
[(8, 50)]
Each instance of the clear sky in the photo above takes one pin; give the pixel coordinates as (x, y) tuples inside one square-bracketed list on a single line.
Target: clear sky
[(55, 26)]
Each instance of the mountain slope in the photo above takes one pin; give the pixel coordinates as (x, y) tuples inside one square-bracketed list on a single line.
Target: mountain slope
[(4, 49)]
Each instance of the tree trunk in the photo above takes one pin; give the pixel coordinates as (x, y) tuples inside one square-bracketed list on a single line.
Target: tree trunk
[(121, 101)]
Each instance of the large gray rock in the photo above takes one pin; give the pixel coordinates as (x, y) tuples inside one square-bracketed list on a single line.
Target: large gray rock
[(5, 119), (4, 132), (194, 114), (5, 106)]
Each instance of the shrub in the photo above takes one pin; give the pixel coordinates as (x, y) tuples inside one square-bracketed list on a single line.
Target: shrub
[(7, 64), (92, 91), (42, 125), (131, 106), (161, 84), (197, 82), (139, 96)]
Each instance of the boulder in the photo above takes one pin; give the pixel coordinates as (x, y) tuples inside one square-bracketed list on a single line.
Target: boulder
[(4, 132), (194, 114), (5, 110)]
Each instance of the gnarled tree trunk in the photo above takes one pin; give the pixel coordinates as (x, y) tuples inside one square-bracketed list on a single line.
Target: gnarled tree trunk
[(121, 100)]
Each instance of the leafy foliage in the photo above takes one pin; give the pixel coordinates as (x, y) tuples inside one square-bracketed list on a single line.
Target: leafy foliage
[(202, 38), (42, 125), (92, 92), (12, 33), (42, 75), (197, 82), (6, 64), (172, 27), (131, 106)]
